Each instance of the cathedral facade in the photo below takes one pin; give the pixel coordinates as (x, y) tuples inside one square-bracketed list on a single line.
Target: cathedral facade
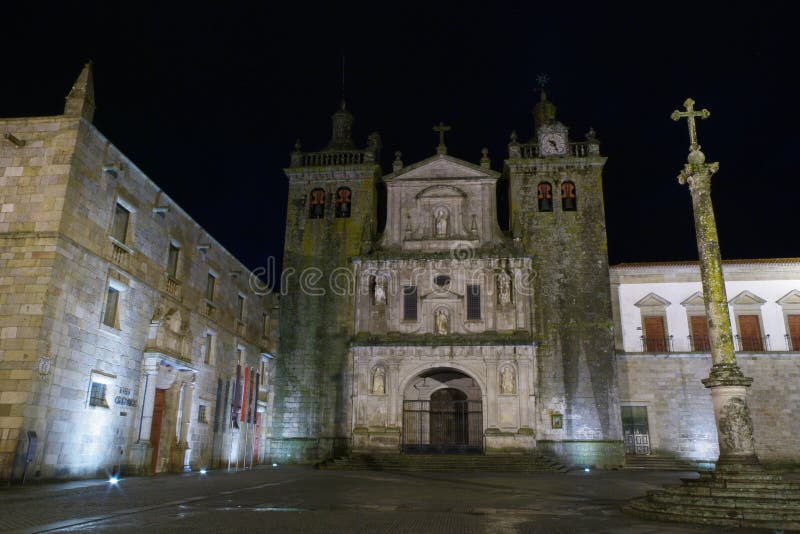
[(443, 332)]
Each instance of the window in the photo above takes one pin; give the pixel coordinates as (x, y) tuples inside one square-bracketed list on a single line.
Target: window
[(700, 339), (569, 202), (409, 303), (97, 395), (544, 196), (172, 260), (442, 280), (110, 311), (119, 228), (343, 202), (211, 282), (317, 205), (750, 339), (240, 307), (265, 325), (201, 414), (793, 324), (655, 334), (473, 302), (209, 348)]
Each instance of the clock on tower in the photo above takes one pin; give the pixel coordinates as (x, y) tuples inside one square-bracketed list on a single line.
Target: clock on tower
[(552, 139)]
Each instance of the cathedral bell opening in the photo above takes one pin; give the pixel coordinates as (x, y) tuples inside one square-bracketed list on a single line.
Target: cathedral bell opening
[(445, 418)]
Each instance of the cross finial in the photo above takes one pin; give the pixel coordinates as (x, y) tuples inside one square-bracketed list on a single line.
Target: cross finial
[(441, 129), (690, 114)]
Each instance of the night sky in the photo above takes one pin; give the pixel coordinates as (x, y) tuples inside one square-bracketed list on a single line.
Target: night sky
[(208, 102)]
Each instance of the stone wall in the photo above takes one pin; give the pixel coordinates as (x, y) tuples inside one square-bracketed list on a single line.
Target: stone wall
[(681, 418)]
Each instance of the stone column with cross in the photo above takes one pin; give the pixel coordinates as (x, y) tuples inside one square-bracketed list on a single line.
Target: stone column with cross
[(727, 383)]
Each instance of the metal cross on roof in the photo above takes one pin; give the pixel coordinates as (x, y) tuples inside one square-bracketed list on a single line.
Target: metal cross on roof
[(690, 114), (441, 129)]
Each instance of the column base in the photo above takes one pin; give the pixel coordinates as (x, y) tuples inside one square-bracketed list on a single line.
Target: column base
[(180, 458), (141, 458)]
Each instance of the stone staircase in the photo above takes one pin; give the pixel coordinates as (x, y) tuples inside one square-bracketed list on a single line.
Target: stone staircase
[(658, 463), (517, 463), (726, 499)]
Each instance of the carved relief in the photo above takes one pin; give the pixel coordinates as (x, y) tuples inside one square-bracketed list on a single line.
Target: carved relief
[(503, 288), (169, 333), (378, 386), (735, 426), (508, 382)]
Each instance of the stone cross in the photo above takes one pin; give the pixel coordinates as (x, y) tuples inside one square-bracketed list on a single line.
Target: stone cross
[(690, 114), (441, 129)]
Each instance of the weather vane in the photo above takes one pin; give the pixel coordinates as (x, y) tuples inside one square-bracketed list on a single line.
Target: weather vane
[(542, 80)]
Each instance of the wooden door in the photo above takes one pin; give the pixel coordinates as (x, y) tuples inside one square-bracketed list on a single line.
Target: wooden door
[(700, 340), (654, 334), (794, 331), (750, 333), (155, 429)]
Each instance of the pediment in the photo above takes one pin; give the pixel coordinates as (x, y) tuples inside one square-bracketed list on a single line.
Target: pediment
[(694, 300), (746, 298), (441, 295), (651, 300), (792, 298), (442, 166)]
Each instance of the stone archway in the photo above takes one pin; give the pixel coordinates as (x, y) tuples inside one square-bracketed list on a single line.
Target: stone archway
[(442, 413)]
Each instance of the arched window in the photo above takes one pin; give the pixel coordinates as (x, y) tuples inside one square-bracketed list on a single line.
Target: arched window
[(569, 202), (317, 206), (544, 194), (343, 202)]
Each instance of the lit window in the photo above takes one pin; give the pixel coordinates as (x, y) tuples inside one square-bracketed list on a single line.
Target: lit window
[(211, 282), (569, 202), (473, 302), (343, 202), (172, 260), (544, 196), (110, 312), (317, 205), (119, 229), (97, 395)]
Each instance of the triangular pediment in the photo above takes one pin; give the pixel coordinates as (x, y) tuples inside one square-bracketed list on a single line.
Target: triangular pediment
[(651, 300), (792, 298), (441, 294), (694, 300), (442, 166), (746, 298)]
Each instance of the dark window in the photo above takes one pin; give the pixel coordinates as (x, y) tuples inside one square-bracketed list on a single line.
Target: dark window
[(343, 202), (172, 260), (442, 280), (544, 196), (409, 303), (209, 347), (97, 395), (240, 308), (569, 202), (211, 281), (110, 313), (120, 227), (473, 302), (317, 206), (201, 414)]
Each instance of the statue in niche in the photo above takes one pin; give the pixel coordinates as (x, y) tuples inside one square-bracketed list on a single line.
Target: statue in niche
[(503, 287), (441, 322), (379, 381), (507, 381), (380, 290), (440, 217)]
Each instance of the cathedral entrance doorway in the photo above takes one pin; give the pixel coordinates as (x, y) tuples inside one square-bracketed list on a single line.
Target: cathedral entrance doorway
[(449, 420)]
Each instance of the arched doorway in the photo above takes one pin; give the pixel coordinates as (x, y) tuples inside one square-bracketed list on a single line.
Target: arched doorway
[(442, 413)]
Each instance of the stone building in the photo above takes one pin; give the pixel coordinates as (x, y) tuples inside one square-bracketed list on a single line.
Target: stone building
[(129, 337), (444, 331), (662, 347)]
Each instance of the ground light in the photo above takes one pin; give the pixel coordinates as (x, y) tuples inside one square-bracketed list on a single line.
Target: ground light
[(274, 465), (113, 480), (203, 471), (585, 469)]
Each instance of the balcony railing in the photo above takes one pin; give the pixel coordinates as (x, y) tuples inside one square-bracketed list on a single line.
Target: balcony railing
[(793, 342), (656, 344), (700, 343), (338, 157), (120, 254), (578, 150), (752, 343), (172, 286)]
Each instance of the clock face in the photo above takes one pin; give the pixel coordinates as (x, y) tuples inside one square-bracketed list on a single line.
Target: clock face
[(552, 144)]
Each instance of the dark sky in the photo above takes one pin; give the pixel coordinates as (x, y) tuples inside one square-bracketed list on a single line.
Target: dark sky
[(209, 101)]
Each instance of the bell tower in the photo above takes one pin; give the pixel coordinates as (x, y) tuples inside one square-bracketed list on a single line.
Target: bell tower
[(331, 215), (557, 216)]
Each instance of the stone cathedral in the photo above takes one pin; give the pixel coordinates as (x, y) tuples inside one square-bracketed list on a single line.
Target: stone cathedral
[(436, 330)]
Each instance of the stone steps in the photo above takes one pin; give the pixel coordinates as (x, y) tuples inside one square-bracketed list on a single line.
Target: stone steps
[(745, 499), (445, 462), (658, 463)]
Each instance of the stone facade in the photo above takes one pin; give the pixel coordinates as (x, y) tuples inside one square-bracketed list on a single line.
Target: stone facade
[(446, 307), (105, 315), (667, 381)]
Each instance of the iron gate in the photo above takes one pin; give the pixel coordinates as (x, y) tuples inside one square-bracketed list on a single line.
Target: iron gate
[(635, 430), (442, 426)]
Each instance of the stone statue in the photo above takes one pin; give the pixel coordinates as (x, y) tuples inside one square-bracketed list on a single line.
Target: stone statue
[(441, 222), (507, 381), (503, 287), (441, 322), (379, 381), (380, 290)]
